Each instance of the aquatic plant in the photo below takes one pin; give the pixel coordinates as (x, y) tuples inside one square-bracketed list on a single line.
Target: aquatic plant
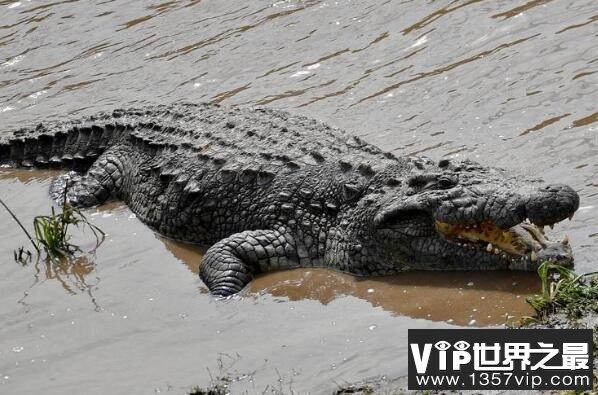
[(52, 233), (565, 291)]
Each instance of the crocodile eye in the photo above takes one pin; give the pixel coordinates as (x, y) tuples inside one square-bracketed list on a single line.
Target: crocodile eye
[(446, 183), (461, 345), (442, 345)]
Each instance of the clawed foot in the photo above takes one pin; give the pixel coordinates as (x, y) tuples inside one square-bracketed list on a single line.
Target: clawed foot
[(61, 185), (77, 190)]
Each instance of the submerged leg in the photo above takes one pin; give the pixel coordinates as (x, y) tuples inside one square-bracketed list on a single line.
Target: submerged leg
[(101, 182), (230, 264)]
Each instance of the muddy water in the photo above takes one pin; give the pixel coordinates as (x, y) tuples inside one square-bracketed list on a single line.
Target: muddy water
[(507, 83), (474, 298), (136, 312)]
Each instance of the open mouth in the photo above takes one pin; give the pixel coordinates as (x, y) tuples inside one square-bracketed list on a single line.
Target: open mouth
[(523, 241), (502, 232)]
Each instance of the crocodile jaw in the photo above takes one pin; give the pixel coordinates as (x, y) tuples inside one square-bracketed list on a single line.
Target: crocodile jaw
[(525, 240)]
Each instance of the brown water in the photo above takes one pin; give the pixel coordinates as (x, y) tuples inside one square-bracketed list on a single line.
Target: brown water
[(135, 318), (508, 83), (473, 298)]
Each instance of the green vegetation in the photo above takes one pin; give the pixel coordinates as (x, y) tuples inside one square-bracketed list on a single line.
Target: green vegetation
[(52, 233), (566, 299), (564, 291)]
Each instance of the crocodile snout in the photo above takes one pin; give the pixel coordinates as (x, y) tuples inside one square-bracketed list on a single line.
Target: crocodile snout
[(551, 204)]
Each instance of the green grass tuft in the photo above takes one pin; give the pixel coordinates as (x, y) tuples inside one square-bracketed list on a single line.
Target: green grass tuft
[(565, 291), (52, 233)]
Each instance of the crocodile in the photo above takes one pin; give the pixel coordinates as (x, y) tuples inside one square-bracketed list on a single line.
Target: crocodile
[(267, 190)]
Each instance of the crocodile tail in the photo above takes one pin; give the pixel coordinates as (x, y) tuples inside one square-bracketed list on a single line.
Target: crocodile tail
[(58, 145)]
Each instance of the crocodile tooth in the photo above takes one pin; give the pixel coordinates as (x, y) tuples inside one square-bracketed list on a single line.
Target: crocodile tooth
[(566, 240), (533, 256), (489, 247), (496, 251)]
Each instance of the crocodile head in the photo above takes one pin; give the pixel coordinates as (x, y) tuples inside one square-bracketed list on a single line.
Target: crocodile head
[(464, 216)]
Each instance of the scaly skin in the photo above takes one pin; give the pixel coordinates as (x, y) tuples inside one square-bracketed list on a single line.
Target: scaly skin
[(273, 191)]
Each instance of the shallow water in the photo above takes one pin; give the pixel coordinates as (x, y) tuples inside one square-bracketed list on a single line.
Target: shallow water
[(508, 83), (472, 298), (137, 312)]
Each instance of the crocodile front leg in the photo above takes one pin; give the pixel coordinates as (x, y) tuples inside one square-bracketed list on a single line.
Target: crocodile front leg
[(230, 264), (101, 182)]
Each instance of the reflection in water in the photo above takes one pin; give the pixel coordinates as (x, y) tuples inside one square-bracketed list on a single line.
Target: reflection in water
[(544, 124), (189, 254), (519, 9), (462, 298), (25, 175), (72, 274), (446, 78), (432, 17), (444, 69), (586, 120)]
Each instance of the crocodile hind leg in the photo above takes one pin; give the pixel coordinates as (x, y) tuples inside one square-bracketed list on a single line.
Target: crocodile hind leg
[(230, 264), (100, 183)]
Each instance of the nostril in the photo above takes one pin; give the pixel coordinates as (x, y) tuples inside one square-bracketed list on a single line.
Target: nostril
[(443, 163), (552, 188)]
